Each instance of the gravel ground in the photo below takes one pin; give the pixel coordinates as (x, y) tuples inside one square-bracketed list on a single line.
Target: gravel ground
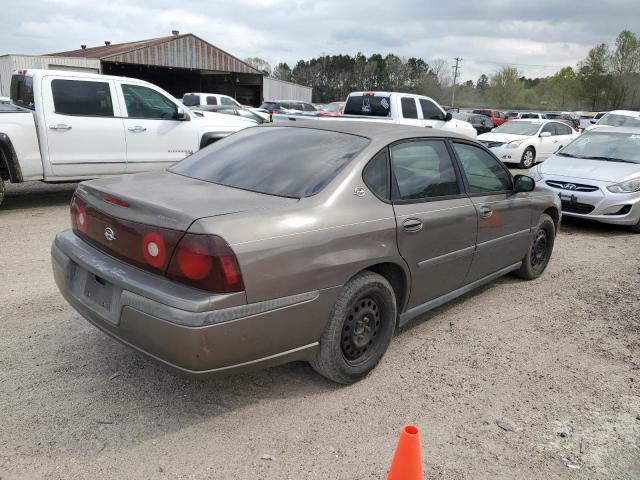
[(556, 361)]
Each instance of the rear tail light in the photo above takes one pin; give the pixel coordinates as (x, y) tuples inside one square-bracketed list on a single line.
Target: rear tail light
[(201, 261), (207, 262)]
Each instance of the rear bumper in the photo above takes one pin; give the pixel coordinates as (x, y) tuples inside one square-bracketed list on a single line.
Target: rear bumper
[(188, 329)]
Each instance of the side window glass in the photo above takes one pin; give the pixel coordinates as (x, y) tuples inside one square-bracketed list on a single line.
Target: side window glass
[(212, 101), (430, 111), (227, 101), (376, 175), (484, 173), (549, 127), (564, 130), (423, 169), (409, 109), (76, 97), (143, 102)]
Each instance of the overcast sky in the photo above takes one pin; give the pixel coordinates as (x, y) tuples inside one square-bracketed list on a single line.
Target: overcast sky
[(538, 35)]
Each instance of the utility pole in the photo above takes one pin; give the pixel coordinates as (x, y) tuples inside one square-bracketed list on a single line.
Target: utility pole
[(455, 77)]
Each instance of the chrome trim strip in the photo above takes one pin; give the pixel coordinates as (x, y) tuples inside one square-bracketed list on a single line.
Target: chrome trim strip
[(436, 302), (463, 252)]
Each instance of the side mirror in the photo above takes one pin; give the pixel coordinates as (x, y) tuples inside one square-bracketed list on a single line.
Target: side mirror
[(181, 114), (523, 183), (448, 116), (593, 121), (545, 134)]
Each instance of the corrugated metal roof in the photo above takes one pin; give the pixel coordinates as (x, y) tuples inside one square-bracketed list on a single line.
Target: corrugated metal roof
[(181, 51)]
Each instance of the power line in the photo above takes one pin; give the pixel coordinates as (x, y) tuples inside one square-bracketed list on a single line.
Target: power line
[(455, 77), (519, 64)]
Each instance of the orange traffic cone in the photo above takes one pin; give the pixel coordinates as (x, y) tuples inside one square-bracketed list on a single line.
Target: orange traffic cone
[(407, 461)]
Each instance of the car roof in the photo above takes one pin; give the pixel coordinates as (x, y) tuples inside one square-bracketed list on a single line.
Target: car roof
[(383, 131), (626, 113)]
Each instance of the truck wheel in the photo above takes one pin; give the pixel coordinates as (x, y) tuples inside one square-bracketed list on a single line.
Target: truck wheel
[(1, 190), (359, 329), (540, 249), (528, 158), (635, 228)]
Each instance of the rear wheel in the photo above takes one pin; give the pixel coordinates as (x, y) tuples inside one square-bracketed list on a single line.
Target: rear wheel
[(528, 158), (540, 249), (359, 330), (1, 190)]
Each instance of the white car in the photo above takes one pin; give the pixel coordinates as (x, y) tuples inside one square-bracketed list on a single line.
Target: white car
[(5, 100), (200, 99), (526, 142), (618, 118)]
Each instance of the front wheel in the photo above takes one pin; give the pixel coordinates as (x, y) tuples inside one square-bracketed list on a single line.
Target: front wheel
[(528, 158), (537, 258), (359, 329)]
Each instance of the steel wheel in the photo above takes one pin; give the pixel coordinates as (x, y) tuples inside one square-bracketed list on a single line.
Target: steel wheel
[(539, 249), (360, 330)]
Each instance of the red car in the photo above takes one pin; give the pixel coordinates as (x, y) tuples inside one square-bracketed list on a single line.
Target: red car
[(334, 109), (496, 116)]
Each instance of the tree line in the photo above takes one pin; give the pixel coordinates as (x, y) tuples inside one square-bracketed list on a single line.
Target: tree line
[(607, 78)]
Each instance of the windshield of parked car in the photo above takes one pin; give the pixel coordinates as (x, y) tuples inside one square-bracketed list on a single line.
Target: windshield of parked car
[(605, 145), (283, 161), (518, 128), (616, 120), (369, 104)]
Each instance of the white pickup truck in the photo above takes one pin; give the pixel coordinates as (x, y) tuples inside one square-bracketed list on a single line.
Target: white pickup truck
[(395, 107), (69, 126)]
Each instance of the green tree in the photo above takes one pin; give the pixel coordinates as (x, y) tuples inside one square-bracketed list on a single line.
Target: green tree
[(594, 77), (563, 88), (505, 88), (625, 66), (282, 71)]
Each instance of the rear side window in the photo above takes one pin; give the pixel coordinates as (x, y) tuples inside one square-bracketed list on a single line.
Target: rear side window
[(370, 105), (143, 102), (423, 169), (228, 101), (562, 129), (22, 91), (430, 111), (376, 175), (484, 173), (409, 109), (283, 161), (76, 97), (212, 100), (192, 100)]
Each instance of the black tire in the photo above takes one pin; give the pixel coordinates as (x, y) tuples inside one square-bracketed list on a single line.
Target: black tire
[(1, 190), (359, 330), (540, 248), (528, 159)]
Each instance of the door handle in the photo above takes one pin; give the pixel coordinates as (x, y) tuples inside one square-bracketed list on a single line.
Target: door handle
[(412, 225), (555, 141), (60, 126), (137, 128), (485, 212)]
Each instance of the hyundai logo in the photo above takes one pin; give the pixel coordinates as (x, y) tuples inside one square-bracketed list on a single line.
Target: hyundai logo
[(109, 234), (569, 186)]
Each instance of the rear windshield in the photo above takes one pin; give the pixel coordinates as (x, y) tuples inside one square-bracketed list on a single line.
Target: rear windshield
[(269, 105), (191, 100), (283, 161), (22, 91), (372, 105)]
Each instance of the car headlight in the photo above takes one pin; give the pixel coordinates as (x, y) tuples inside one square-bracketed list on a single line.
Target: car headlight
[(536, 173), (628, 186), (514, 144)]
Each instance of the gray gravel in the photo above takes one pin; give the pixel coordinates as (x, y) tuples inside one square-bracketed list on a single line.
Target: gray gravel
[(556, 360)]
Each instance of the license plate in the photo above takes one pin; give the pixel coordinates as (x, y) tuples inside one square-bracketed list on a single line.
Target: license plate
[(98, 290)]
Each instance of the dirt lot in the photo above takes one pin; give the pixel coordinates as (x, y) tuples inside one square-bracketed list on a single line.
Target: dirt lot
[(557, 360)]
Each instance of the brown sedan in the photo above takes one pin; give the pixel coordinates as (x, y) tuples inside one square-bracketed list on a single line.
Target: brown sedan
[(303, 241)]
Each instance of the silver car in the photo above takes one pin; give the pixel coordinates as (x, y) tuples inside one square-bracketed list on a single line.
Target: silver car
[(310, 241), (597, 176)]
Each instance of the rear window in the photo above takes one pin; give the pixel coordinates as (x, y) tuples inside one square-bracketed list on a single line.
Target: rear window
[(191, 100), (269, 105), (22, 91), (483, 112), (282, 161), (212, 100), (80, 97), (372, 105)]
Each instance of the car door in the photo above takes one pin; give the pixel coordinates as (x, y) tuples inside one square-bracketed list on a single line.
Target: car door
[(409, 111), (432, 115), (84, 134), (436, 221), (155, 137), (547, 145), (564, 134), (504, 216)]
